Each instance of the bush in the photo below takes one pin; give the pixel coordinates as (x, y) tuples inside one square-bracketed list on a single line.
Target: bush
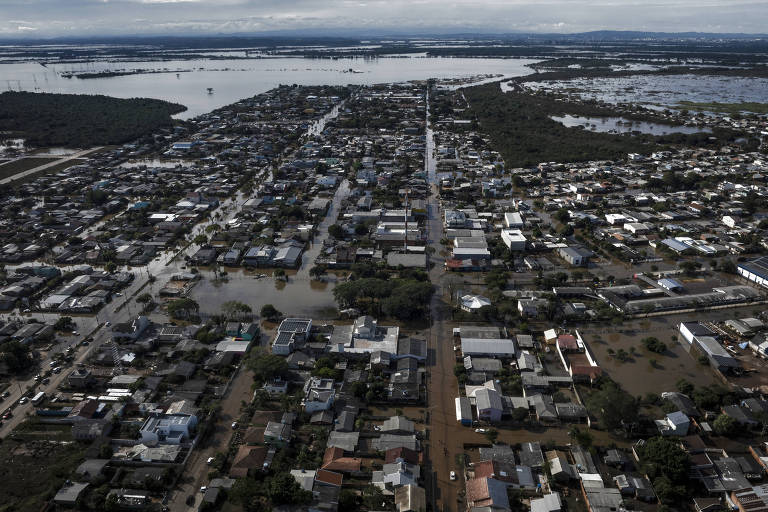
[(654, 345)]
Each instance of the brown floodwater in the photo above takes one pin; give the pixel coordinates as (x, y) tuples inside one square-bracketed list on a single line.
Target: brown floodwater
[(296, 297)]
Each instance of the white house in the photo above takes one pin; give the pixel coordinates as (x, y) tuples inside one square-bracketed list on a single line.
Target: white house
[(472, 303), (167, 429), (513, 239), (513, 220), (730, 221), (319, 395)]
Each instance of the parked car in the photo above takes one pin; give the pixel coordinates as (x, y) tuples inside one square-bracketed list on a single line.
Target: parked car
[(210, 460), (453, 475)]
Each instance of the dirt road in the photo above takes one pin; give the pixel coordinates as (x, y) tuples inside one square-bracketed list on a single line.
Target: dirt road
[(196, 471)]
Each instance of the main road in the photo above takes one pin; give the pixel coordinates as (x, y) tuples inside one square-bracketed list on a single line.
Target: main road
[(442, 386)]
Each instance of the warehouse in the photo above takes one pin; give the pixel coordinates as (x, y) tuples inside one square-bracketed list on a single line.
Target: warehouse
[(755, 271)]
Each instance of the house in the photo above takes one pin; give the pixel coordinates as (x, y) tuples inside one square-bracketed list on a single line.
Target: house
[(130, 331), (398, 425), (463, 411), (410, 498), (548, 503), (319, 395), (576, 256), (473, 303), (80, 378), (487, 492), (335, 460), (246, 459), (489, 405), (513, 239), (674, 424), (277, 433), (69, 493), (167, 429)]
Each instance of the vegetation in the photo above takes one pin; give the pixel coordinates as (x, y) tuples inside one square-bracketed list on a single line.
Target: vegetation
[(77, 120), (15, 357), (654, 344), (520, 127), (270, 312), (666, 464), (724, 425), (726, 108), (404, 299), (183, 308), (267, 366), (614, 407)]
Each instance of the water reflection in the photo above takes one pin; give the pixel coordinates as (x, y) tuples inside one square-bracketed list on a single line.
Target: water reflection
[(623, 125), (232, 80)]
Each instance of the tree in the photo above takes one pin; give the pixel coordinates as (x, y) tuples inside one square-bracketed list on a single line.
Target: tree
[(336, 231), (654, 344), (684, 386), (285, 490), (662, 456), (182, 308), (64, 323), (270, 312), (267, 366), (233, 307), (724, 425), (144, 298), (317, 271), (373, 497), (349, 501), (612, 405)]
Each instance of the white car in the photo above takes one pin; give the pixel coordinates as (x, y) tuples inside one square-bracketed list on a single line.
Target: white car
[(481, 430), (107, 323), (453, 475), (203, 489), (234, 425), (210, 460)]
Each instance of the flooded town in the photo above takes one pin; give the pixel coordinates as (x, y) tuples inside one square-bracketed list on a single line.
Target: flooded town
[(499, 291)]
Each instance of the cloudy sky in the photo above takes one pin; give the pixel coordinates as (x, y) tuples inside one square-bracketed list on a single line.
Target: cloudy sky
[(121, 17)]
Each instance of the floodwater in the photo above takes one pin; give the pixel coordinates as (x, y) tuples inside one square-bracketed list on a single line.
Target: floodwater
[(186, 81), (152, 163), (296, 297), (622, 125), (667, 91)]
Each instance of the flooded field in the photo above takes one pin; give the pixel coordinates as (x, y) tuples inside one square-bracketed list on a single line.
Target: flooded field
[(662, 91), (297, 297), (639, 374), (622, 125)]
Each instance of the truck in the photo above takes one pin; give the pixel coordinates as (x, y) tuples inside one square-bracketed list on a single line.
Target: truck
[(38, 397)]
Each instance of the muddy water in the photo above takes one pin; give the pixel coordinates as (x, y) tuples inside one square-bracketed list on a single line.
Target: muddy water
[(296, 297), (639, 374)]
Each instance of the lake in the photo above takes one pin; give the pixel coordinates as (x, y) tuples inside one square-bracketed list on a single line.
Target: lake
[(622, 125), (186, 81)]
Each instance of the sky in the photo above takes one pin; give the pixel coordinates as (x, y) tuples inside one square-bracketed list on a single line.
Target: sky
[(51, 18)]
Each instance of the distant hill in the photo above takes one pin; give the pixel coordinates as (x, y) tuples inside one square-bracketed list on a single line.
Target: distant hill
[(76, 120)]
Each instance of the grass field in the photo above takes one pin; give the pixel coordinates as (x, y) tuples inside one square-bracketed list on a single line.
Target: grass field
[(726, 108), (23, 164), (33, 471)]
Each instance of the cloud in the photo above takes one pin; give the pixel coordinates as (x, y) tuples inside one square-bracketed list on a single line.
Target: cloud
[(98, 17)]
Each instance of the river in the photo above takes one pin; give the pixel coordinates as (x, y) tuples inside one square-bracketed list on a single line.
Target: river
[(232, 80)]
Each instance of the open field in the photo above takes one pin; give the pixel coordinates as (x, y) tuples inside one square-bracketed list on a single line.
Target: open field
[(33, 471), (23, 164)]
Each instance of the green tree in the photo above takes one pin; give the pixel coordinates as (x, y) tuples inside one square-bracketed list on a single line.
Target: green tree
[(613, 406), (724, 425), (267, 366), (285, 490), (336, 231), (270, 312)]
